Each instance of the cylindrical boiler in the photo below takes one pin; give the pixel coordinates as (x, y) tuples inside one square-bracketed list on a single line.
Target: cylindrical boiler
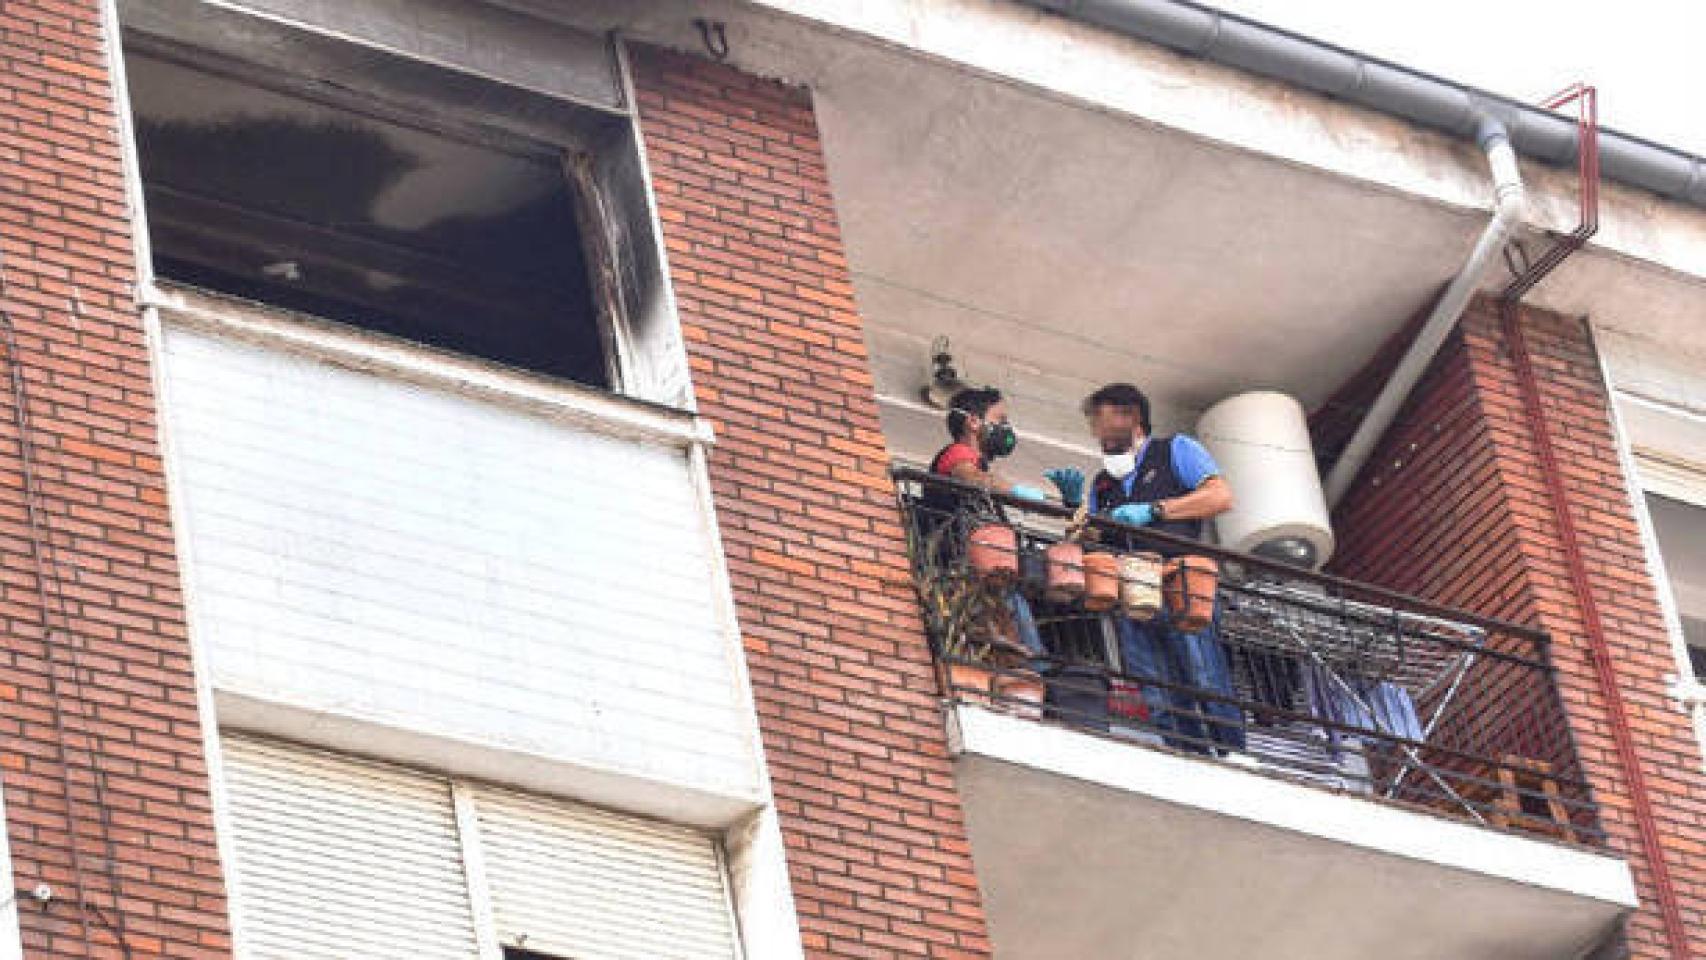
[(1261, 441)]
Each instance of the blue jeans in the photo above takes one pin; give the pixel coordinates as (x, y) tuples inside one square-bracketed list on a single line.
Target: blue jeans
[(1026, 622), (1158, 651)]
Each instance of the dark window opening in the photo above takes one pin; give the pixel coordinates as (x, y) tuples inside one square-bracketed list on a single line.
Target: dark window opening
[(517, 953), (1696, 653), (395, 228)]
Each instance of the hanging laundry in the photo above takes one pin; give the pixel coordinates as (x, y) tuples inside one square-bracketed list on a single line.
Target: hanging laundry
[(1378, 706), (1394, 710)]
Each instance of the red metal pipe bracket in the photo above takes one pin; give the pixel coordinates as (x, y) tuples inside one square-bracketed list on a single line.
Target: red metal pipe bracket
[(1599, 649)]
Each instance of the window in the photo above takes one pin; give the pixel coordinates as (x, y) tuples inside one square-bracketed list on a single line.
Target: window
[(342, 857), (371, 221), (1681, 530), (461, 175)]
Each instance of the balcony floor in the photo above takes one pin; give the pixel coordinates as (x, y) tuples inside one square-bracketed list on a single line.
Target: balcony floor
[(1087, 847)]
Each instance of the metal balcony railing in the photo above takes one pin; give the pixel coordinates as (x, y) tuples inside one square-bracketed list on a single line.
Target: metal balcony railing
[(1344, 685)]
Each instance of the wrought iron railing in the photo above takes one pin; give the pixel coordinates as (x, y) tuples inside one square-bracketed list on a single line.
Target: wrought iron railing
[(1345, 685)]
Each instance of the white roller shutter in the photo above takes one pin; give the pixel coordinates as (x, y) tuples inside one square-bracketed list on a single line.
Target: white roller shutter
[(574, 881), (342, 859)]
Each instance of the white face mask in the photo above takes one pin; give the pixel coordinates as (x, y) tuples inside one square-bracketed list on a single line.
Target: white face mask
[(1120, 465)]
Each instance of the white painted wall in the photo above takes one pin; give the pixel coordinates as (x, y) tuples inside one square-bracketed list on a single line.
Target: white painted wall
[(1666, 373), (428, 560)]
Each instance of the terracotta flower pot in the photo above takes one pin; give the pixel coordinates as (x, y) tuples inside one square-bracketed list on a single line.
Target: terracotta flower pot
[(993, 551), (1021, 694), (1140, 585), (970, 682), (1065, 580), (1101, 582), (1190, 589)]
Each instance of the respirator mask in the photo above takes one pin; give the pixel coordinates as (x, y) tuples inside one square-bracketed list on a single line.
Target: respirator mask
[(1120, 465), (999, 440)]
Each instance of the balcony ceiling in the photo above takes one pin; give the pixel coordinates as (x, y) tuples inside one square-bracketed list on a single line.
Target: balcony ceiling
[(1060, 243), (1060, 247)]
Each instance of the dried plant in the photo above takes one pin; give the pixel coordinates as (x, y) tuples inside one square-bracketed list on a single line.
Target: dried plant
[(967, 619)]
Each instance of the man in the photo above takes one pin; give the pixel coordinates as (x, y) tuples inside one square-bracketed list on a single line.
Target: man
[(980, 432), (1173, 485)]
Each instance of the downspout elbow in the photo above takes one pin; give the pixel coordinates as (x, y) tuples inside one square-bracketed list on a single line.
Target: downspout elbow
[(1510, 198)]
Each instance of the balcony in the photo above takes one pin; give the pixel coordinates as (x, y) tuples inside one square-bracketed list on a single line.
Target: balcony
[(1359, 772)]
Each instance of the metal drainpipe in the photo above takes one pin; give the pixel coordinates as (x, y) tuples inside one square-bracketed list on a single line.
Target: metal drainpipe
[(1509, 201)]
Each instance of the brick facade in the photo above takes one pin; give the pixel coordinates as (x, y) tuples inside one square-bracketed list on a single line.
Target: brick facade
[(105, 787), (846, 694), (1453, 507)]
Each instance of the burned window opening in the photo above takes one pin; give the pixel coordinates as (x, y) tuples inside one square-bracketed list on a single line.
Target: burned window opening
[(395, 228)]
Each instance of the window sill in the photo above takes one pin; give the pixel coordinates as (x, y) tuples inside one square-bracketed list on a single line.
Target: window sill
[(396, 359), (1688, 692)]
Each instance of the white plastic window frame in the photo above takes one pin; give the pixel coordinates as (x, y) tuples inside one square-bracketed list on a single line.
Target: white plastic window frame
[(11, 936)]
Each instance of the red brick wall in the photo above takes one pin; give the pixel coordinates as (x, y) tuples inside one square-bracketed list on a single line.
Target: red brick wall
[(1454, 507), (846, 694), (113, 812)]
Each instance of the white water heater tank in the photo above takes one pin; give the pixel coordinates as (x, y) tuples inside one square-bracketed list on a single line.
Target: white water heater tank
[(1261, 441)]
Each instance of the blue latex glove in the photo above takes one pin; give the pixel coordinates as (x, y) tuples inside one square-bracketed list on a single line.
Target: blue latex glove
[(1136, 514), (1070, 482), (1028, 493)]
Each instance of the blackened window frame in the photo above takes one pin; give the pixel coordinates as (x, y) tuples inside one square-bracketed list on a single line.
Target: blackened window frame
[(585, 138)]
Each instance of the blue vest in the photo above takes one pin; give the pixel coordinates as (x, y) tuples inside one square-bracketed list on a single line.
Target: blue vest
[(1153, 480)]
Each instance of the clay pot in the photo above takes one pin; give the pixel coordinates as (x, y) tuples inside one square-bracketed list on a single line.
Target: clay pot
[(1021, 694), (993, 551), (1140, 585), (1101, 582), (1065, 579), (970, 682), (1190, 588)]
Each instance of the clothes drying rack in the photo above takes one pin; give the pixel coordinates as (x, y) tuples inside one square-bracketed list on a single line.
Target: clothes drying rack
[(1428, 656)]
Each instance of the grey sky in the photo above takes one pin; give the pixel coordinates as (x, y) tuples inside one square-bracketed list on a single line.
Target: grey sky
[(1643, 55)]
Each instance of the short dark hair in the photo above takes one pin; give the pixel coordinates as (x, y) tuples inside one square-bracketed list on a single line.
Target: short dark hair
[(970, 402), (1123, 396)]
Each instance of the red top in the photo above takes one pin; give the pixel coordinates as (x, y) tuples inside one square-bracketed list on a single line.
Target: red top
[(953, 455)]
